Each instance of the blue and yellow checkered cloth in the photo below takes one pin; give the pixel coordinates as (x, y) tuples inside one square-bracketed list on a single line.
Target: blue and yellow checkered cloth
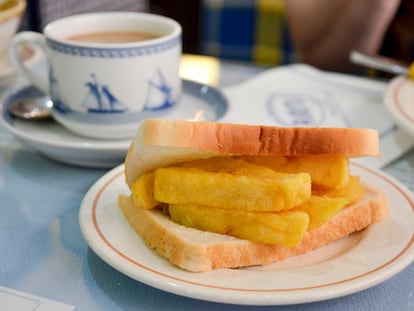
[(246, 30)]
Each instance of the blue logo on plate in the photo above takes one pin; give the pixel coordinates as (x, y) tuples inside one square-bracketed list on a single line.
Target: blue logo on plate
[(296, 109)]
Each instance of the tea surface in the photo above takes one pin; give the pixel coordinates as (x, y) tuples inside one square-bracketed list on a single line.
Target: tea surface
[(112, 37)]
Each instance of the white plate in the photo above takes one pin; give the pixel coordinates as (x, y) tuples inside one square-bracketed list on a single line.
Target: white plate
[(198, 102), (347, 266), (30, 55), (399, 100)]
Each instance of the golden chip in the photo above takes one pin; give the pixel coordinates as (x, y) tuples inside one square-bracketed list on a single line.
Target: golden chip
[(142, 191), (178, 185), (282, 228)]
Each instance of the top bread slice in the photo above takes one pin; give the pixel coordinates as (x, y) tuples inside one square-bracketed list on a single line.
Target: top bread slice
[(161, 143)]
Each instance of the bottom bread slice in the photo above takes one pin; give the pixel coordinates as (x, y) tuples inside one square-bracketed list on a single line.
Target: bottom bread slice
[(198, 251)]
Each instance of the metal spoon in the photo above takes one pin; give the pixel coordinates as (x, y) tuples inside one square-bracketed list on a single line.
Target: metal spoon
[(31, 108), (379, 62)]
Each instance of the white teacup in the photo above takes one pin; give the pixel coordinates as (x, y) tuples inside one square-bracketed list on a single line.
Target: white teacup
[(11, 12), (103, 77)]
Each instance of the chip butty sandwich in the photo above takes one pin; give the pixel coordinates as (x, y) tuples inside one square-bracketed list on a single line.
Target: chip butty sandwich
[(209, 195)]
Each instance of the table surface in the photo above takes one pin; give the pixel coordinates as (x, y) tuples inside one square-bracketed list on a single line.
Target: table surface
[(42, 250)]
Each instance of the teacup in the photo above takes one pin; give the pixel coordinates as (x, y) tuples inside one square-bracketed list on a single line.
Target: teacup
[(11, 12), (107, 71)]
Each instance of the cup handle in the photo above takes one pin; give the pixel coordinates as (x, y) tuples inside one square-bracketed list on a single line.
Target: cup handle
[(34, 38)]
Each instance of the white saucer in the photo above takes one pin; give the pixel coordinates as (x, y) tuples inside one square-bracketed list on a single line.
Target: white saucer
[(198, 102), (31, 56), (399, 100)]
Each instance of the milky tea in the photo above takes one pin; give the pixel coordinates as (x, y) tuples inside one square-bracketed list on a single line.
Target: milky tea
[(113, 37)]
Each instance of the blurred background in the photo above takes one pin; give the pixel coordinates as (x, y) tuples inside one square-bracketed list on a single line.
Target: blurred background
[(245, 30), (268, 32)]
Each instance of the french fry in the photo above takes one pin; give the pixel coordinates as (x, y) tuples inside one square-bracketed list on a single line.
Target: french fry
[(325, 171), (282, 228), (178, 185), (274, 163), (321, 209), (353, 191), (233, 165), (325, 204), (142, 191)]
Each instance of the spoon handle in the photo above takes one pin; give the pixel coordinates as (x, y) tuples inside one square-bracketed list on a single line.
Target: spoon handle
[(378, 62)]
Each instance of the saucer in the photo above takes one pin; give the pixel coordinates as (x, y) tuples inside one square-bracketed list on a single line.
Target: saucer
[(399, 100), (198, 103), (31, 56)]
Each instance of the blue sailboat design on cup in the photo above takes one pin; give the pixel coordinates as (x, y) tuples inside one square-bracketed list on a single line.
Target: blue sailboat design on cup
[(160, 94), (100, 99)]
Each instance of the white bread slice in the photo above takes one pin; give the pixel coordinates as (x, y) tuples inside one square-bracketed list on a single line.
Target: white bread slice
[(197, 251), (160, 143)]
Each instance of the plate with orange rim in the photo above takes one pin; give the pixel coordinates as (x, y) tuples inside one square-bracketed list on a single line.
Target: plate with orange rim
[(355, 263), (399, 100)]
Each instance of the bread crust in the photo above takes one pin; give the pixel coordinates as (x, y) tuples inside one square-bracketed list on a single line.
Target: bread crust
[(197, 251), (165, 142), (258, 139)]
